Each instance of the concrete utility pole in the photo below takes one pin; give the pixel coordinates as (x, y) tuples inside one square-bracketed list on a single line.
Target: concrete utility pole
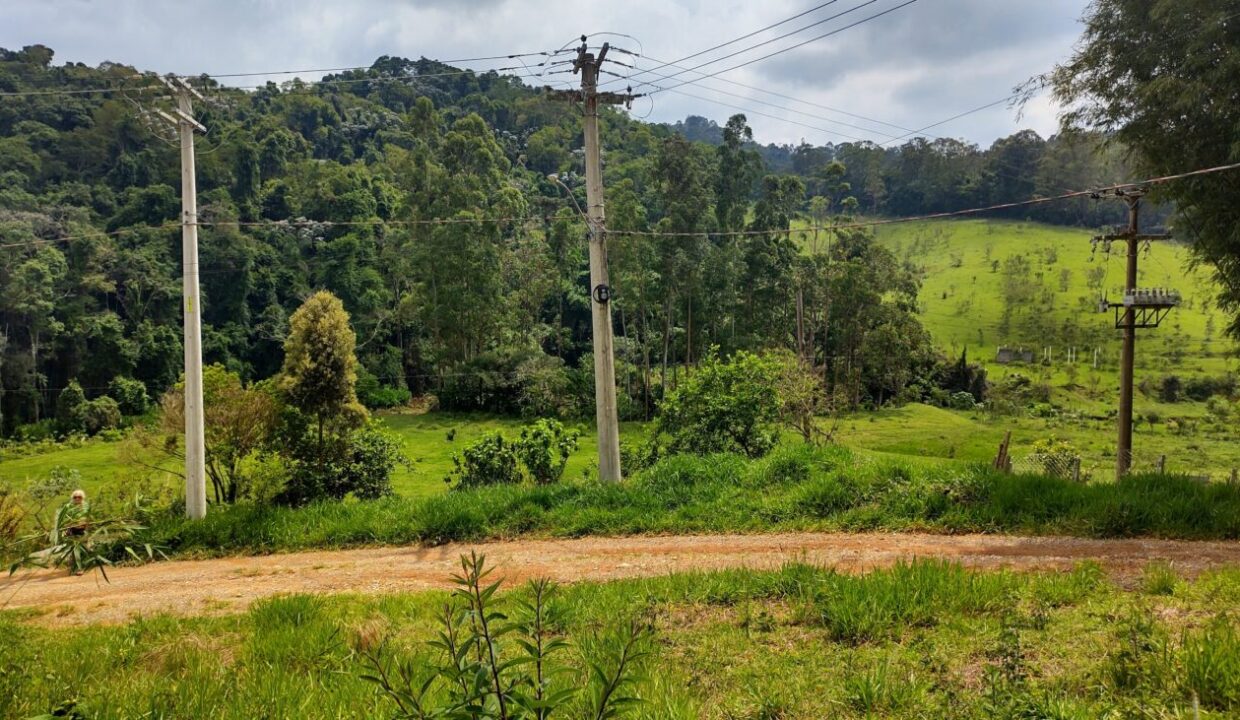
[(1138, 309), (195, 443), (606, 415)]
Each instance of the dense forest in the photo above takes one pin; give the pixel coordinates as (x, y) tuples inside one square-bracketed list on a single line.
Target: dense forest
[(418, 194)]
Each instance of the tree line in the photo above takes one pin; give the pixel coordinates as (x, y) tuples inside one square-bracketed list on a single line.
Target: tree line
[(419, 197)]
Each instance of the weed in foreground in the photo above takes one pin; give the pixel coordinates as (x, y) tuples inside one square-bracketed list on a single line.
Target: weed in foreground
[(486, 665)]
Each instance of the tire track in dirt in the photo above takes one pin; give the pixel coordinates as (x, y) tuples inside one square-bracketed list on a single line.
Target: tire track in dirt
[(195, 587)]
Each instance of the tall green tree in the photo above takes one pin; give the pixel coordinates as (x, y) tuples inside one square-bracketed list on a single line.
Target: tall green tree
[(320, 367)]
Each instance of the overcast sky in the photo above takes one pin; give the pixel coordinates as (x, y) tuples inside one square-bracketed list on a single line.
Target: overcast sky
[(915, 66)]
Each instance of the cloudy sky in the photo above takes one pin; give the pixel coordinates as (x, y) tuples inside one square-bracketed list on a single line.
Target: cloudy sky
[(912, 67)]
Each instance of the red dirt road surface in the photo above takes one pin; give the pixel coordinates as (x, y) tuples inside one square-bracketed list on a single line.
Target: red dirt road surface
[(193, 587)]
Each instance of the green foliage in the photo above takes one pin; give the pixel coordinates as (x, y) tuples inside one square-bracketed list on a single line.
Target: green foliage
[(374, 395), (819, 488), (1212, 664), (68, 407), (130, 395), (494, 664), (303, 655), (96, 416), (723, 406), (80, 541), (359, 463), (320, 369), (1140, 74), (491, 460), (544, 448), (239, 424), (1159, 579)]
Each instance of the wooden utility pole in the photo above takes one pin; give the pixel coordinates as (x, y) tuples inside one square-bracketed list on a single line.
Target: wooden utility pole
[(606, 415), (1138, 309), (195, 443)]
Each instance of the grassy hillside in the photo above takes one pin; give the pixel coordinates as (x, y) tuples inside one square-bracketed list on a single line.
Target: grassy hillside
[(963, 296)]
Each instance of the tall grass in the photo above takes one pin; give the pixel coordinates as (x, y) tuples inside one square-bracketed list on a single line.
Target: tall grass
[(797, 487)]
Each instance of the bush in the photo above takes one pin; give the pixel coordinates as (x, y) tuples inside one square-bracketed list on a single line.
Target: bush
[(375, 396), (544, 449), (490, 460), (637, 456), (130, 395), (724, 406), (67, 405), (360, 464), (961, 401), (100, 414)]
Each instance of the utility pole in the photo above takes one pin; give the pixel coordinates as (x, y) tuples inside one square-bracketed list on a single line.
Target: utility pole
[(195, 443), (606, 415), (1138, 309)]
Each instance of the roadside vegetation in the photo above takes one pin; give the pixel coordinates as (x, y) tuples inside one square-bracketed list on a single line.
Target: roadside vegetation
[(923, 640)]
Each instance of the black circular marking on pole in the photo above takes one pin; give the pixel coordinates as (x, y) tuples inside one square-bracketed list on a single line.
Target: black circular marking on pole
[(602, 294)]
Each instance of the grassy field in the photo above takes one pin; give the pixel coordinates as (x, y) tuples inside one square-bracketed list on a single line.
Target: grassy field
[(424, 438), (919, 641), (962, 295), (924, 432)]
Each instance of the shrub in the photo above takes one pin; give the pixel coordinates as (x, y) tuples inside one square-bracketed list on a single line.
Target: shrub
[(239, 424), (130, 395), (67, 407), (724, 406), (374, 395), (360, 464), (638, 456), (961, 401), (490, 460), (544, 449), (100, 414)]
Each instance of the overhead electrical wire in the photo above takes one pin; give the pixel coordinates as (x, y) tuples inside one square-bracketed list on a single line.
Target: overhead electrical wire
[(777, 38), (652, 233), (749, 35), (803, 43), (1096, 192)]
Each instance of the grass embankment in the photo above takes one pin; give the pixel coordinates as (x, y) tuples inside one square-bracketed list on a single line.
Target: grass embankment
[(926, 640), (796, 488)]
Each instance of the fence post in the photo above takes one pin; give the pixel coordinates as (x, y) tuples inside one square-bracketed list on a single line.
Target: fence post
[(1002, 461), (1235, 478), (1076, 469), (1162, 464)]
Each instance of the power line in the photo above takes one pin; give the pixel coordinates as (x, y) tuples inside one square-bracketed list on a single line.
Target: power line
[(306, 83), (770, 104), (777, 38), (938, 216), (746, 36), (513, 56), (816, 38), (278, 224)]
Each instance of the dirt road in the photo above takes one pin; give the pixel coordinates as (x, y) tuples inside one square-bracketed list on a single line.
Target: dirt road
[(227, 585)]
